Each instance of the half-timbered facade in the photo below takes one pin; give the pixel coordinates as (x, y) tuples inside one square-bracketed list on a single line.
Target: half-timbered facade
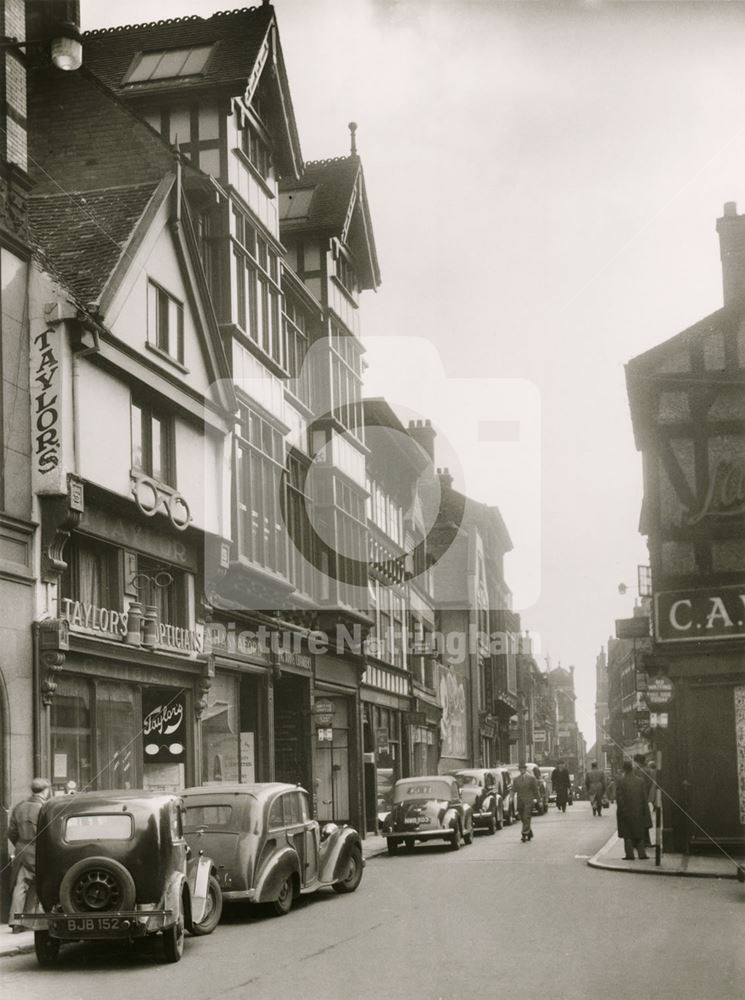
[(687, 400)]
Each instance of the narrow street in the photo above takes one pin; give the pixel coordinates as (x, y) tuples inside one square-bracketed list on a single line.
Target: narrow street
[(497, 918)]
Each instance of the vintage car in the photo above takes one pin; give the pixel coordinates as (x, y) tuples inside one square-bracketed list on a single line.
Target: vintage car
[(481, 789), (546, 773), (266, 844), (504, 780), (428, 808), (112, 865)]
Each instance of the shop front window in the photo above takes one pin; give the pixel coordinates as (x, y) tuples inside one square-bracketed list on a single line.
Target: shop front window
[(163, 587), (388, 753), (118, 746), (95, 735), (220, 738), (71, 750)]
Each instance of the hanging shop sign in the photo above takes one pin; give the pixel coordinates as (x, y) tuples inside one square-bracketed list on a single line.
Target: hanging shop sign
[(152, 498), (632, 628), (323, 711), (164, 725), (700, 615)]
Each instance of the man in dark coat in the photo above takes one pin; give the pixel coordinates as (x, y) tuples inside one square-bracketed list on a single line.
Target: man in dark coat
[(526, 792), (22, 834), (632, 812), (561, 782)]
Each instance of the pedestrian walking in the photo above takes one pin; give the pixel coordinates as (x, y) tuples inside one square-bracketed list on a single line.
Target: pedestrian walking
[(561, 782), (526, 792), (632, 812), (22, 834), (595, 785)]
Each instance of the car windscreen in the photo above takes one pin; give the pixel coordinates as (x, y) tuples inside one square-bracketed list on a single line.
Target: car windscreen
[(422, 790), (208, 816), (98, 826), (467, 779)]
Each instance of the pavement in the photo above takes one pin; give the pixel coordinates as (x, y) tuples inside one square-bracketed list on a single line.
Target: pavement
[(720, 865)]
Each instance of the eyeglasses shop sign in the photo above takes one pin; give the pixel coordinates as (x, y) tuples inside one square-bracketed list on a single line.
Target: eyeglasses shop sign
[(164, 725), (700, 615)]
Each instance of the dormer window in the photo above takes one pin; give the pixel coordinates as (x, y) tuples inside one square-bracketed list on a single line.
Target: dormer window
[(168, 64), (346, 274), (256, 150), (165, 322)]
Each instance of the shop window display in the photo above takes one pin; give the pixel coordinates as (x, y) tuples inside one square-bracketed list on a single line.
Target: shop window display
[(220, 739)]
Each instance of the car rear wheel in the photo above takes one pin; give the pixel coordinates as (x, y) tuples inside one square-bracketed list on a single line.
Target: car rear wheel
[(173, 937), (283, 903), (353, 875), (97, 885), (46, 948), (455, 839), (392, 845), (213, 912)]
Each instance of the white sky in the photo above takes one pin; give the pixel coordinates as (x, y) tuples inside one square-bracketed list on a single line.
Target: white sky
[(544, 181)]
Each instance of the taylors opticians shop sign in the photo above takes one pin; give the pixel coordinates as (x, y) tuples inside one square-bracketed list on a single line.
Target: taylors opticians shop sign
[(699, 615)]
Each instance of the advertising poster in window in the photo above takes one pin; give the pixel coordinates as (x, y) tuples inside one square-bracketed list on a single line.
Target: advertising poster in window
[(453, 724), (164, 725)]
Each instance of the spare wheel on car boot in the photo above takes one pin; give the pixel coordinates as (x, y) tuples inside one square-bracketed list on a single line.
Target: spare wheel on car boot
[(97, 885)]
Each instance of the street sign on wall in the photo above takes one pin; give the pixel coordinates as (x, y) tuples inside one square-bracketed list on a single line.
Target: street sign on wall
[(659, 692)]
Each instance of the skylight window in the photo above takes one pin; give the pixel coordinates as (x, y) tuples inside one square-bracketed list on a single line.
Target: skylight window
[(168, 65)]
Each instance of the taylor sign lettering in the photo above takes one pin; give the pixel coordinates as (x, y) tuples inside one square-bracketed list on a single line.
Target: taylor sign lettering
[(700, 615)]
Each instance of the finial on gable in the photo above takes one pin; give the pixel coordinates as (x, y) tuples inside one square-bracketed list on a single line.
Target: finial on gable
[(353, 130)]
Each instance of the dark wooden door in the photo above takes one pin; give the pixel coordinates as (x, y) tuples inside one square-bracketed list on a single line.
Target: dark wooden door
[(712, 763)]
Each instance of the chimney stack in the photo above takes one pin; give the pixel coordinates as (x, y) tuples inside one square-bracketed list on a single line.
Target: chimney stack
[(731, 229), (424, 434)]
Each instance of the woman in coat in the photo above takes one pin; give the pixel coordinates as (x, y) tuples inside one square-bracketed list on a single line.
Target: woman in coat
[(632, 812)]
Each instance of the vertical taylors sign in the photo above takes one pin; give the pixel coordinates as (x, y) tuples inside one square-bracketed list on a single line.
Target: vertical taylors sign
[(164, 725), (46, 410)]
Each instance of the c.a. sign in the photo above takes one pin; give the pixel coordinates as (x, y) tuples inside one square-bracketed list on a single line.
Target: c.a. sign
[(700, 615)]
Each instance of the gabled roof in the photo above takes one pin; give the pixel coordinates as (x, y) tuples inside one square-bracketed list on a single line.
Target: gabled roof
[(100, 175), (95, 168), (669, 359), (336, 205), (242, 41)]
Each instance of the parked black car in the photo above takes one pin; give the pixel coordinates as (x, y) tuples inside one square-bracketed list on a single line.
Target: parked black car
[(479, 787), (429, 808), (116, 865), (266, 844)]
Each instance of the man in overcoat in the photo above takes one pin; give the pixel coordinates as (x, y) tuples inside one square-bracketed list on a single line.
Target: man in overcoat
[(22, 834), (526, 792), (561, 783), (632, 812)]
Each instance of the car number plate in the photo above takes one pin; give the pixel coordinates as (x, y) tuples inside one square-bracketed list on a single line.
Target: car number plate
[(93, 924), (412, 821)]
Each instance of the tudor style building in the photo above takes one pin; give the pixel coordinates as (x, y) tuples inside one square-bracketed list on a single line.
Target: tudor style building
[(687, 400), (286, 249), (130, 467)]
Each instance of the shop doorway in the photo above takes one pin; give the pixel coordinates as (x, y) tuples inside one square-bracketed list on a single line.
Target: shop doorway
[(332, 760), (291, 736)]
